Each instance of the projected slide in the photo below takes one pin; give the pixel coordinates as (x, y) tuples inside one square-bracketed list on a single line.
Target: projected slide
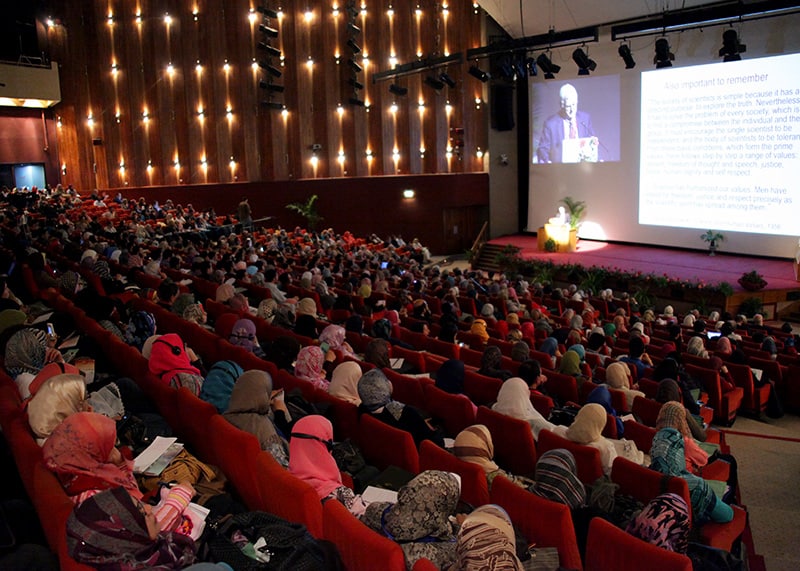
[(720, 146), (576, 121)]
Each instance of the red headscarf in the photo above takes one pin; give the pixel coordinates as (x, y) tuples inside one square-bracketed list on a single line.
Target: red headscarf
[(168, 358)]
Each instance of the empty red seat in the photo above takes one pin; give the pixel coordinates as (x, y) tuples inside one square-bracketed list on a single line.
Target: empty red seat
[(514, 447), (456, 412), (609, 547), (384, 445)]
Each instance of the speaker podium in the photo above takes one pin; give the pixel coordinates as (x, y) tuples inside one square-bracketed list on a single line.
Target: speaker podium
[(566, 238)]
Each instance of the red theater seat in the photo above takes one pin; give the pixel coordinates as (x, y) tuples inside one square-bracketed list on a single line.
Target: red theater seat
[(455, 411), (474, 488), (609, 547), (514, 447), (586, 457), (384, 445)]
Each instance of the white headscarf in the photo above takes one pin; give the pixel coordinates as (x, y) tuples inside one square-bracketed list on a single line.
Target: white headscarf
[(514, 399)]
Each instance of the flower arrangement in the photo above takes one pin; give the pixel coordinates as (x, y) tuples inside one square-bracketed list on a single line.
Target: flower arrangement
[(752, 281)]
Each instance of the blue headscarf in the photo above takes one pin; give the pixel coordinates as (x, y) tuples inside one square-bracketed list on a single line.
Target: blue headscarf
[(580, 350), (219, 383), (549, 346), (602, 396), (141, 326)]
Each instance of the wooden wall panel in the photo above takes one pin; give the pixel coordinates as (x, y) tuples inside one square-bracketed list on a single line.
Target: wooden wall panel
[(265, 144)]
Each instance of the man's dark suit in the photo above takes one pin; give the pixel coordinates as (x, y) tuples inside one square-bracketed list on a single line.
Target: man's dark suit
[(550, 143)]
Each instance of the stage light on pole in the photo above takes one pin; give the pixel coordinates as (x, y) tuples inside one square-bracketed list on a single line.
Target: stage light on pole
[(663, 57), (731, 48), (267, 12), (530, 63), (351, 43), (354, 65), (547, 66), (625, 53), (584, 63)]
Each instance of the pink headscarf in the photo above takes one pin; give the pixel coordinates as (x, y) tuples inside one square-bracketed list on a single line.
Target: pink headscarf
[(309, 458), (723, 346), (334, 335), (309, 366)]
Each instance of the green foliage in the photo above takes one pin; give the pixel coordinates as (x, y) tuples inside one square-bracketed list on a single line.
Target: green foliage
[(509, 259), (550, 245), (307, 210), (725, 289), (712, 236), (643, 297), (752, 281), (594, 280), (750, 306), (577, 210)]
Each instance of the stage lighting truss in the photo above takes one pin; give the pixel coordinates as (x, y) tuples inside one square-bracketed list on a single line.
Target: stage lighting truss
[(353, 32), (267, 33)]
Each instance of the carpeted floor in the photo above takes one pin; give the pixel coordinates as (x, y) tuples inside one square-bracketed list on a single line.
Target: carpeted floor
[(676, 264)]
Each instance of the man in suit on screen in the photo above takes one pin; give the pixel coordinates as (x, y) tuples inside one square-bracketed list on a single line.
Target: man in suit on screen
[(568, 123)]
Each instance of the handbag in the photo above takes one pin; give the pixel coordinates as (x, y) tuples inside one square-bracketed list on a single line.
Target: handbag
[(256, 540)]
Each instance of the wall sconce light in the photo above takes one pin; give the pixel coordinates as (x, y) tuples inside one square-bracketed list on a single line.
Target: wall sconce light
[(408, 193), (64, 169), (351, 43), (354, 65)]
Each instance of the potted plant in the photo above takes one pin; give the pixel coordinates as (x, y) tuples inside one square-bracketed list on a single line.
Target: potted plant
[(307, 210), (752, 281), (577, 210), (713, 238)]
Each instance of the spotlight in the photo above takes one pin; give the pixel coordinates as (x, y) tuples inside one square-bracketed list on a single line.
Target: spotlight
[(520, 71), (354, 65), (351, 43), (478, 73), (271, 69), (444, 78), (353, 29), (431, 81), (271, 86), (625, 53), (355, 83), (530, 63), (267, 12), (663, 57), (547, 66), (585, 65), (271, 32), (356, 101), (731, 48), (398, 89), (506, 69), (269, 49)]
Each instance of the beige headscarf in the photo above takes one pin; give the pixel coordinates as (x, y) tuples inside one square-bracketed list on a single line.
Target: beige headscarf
[(514, 399), (224, 293), (344, 382), (588, 424), (474, 444), (618, 376), (306, 306), (59, 397)]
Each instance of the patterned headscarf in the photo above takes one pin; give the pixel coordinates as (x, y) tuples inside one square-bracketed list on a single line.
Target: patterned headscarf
[(486, 541), (243, 334), (59, 397), (25, 352), (673, 415), (266, 309), (334, 335), (668, 457), (344, 382), (109, 531), (557, 479), (79, 452), (664, 522), (419, 521), (101, 269), (195, 313), (450, 376), (375, 391), (219, 383), (474, 444), (68, 282), (310, 366), (141, 326), (181, 302)]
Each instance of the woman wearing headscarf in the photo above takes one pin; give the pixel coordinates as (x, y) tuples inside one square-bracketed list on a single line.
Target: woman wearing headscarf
[(668, 457), (420, 520), (450, 378), (514, 400), (377, 353), (311, 461), (375, 392), (306, 326), (27, 352), (550, 346), (243, 335), (696, 346), (81, 452), (112, 530), (602, 396), (571, 365), (266, 309), (169, 362), (224, 293), (556, 479), (142, 325), (492, 362), (479, 328), (669, 390), (306, 306), (618, 376), (665, 521), (195, 313), (344, 382), (486, 541), (310, 366), (59, 397), (251, 409), (219, 382), (673, 415), (334, 336), (474, 445)]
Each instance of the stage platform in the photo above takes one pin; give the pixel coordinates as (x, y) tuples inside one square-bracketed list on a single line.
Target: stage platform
[(675, 264)]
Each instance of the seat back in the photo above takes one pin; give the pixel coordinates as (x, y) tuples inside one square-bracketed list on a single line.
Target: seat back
[(646, 410), (480, 388), (384, 445), (587, 458), (609, 547), (360, 548), (645, 484), (405, 389), (234, 451), (514, 447), (543, 522), (455, 411), (474, 487)]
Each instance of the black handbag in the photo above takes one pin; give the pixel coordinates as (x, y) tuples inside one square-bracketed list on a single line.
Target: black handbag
[(281, 545)]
